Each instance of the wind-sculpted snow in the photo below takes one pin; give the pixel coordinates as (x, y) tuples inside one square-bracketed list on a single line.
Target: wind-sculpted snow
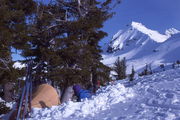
[(105, 97), (153, 97)]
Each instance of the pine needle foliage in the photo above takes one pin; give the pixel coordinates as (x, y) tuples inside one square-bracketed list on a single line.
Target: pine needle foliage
[(131, 76), (13, 34), (64, 42), (120, 68)]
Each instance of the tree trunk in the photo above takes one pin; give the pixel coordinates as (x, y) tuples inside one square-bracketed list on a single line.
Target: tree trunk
[(94, 80), (8, 93), (68, 94)]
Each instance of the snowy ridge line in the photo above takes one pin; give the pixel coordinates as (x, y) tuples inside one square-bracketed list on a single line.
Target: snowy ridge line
[(171, 31), (105, 97), (155, 35), (135, 44)]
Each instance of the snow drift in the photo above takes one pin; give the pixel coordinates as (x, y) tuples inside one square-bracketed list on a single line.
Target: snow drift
[(105, 97)]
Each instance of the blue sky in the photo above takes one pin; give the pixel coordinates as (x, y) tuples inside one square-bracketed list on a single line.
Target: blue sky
[(155, 14)]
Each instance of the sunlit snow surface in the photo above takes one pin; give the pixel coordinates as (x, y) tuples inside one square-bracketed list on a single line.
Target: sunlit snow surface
[(154, 97), (141, 46)]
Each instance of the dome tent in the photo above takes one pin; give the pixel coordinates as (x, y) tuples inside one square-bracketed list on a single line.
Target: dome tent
[(45, 96)]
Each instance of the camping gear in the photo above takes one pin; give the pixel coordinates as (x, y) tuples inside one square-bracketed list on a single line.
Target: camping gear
[(45, 96), (24, 105), (76, 89), (81, 93)]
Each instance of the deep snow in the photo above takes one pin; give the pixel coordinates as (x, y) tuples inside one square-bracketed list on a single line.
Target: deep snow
[(153, 97)]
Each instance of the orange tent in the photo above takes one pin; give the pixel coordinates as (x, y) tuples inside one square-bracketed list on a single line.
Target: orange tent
[(45, 96)]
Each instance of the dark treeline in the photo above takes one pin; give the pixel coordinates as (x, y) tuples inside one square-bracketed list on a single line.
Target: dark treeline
[(60, 37)]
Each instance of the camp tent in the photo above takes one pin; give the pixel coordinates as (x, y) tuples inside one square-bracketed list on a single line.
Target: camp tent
[(44, 96)]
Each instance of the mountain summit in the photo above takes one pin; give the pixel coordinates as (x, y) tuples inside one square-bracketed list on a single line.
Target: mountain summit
[(141, 45), (154, 35), (138, 33)]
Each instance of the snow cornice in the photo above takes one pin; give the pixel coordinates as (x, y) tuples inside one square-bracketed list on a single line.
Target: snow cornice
[(154, 35)]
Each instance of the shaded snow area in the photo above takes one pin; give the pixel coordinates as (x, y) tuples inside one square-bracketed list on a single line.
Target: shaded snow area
[(8, 104), (153, 97)]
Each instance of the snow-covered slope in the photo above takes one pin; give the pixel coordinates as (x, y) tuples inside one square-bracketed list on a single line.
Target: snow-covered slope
[(153, 97), (142, 46)]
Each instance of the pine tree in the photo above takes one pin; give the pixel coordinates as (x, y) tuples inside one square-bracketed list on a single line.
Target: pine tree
[(173, 65), (12, 35), (162, 67), (131, 76), (64, 42), (178, 62), (120, 68), (146, 71)]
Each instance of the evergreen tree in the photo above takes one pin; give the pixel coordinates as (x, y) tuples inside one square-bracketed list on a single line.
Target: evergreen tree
[(178, 62), (131, 76), (150, 69), (162, 67), (120, 68), (146, 71), (13, 34), (173, 65), (64, 42)]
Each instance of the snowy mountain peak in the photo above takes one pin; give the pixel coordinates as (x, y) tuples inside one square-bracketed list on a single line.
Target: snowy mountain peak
[(137, 25), (141, 46), (154, 35), (134, 36), (171, 31)]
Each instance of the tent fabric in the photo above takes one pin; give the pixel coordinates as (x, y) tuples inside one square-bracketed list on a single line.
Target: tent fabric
[(45, 96)]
